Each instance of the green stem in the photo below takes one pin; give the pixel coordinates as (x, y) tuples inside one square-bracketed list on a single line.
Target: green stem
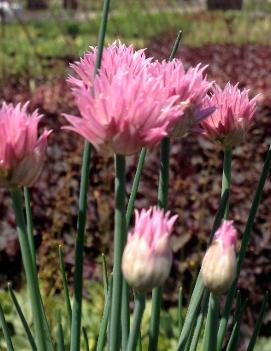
[(195, 300), (242, 252), (131, 202), (81, 222), (211, 324), (258, 324), (138, 313), (119, 234), (210, 337), (226, 177), (65, 285), (180, 309), (233, 342), (162, 202), (105, 318), (43, 344), (105, 274), (22, 318), (79, 252), (6, 331), (86, 339), (199, 322), (125, 314), (60, 335), (29, 223)]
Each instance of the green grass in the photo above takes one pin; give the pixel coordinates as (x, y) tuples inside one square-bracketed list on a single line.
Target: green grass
[(36, 49)]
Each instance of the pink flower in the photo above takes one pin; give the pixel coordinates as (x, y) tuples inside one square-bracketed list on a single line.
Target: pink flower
[(229, 123), (219, 264), (191, 86), (115, 56), (147, 257), (124, 108), (22, 153)]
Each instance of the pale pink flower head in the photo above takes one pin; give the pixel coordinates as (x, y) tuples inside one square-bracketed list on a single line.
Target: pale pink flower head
[(22, 153), (147, 257), (190, 86), (219, 263), (115, 56), (123, 108), (229, 123)]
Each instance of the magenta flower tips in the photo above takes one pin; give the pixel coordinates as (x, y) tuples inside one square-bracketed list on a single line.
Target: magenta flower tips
[(22, 153), (124, 108), (219, 264), (229, 123), (147, 257)]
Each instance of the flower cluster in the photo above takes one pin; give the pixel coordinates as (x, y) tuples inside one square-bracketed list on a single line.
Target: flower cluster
[(134, 102), (22, 153), (147, 257)]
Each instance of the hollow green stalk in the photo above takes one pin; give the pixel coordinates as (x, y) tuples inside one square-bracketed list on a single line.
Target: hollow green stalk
[(242, 252), (233, 341), (6, 331), (180, 309), (199, 322), (65, 284), (211, 327), (22, 318), (79, 252), (193, 308), (105, 318), (210, 337), (162, 202), (258, 323), (226, 176), (131, 202), (41, 333), (60, 334), (81, 221), (29, 223), (86, 339), (119, 234), (138, 313)]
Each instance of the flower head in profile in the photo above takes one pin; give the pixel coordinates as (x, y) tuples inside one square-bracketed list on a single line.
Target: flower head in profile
[(147, 257), (229, 123), (190, 86), (124, 108), (22, 153), (115, 56), (219, 263)]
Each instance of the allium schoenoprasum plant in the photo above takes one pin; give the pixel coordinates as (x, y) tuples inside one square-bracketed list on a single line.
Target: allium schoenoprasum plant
[(129, 103)]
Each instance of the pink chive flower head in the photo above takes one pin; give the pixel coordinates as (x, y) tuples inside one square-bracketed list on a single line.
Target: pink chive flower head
[(124, 109), (22, 153), (234, 112), (147, 257), (115, 56), (191, 86), (219, 263)]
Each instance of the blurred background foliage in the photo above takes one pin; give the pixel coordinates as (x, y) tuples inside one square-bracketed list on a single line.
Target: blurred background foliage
[(37, 41)]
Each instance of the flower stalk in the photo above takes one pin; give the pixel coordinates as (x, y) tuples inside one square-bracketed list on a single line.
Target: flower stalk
[(81, 222), (43, 342), (119, 233)]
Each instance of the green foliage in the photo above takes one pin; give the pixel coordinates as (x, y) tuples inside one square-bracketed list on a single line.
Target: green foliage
[(44, 44)]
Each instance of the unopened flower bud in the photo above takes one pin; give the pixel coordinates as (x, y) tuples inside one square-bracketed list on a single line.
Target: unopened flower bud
[(219, 263), (147, 257)]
